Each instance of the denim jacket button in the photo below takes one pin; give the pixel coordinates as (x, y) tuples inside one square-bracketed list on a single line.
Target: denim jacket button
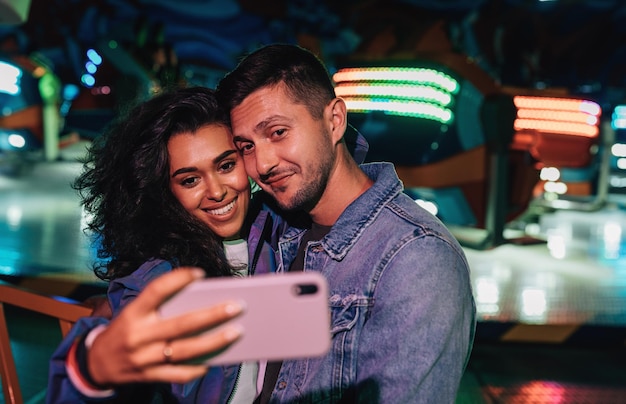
[(282, 385)]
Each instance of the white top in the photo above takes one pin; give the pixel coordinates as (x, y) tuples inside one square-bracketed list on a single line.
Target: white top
[(237, 255), (250, 380)]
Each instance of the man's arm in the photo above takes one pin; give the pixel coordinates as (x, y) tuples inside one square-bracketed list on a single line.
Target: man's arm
[(416, 343)]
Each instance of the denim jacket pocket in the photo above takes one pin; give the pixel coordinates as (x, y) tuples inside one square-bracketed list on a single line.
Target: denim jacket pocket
[(345, 311), (337, 369), (348, 313)]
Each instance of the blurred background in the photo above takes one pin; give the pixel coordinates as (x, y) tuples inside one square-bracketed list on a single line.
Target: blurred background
[(505, 118)]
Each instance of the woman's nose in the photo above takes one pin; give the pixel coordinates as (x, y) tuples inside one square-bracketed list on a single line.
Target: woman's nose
[(216, 192)]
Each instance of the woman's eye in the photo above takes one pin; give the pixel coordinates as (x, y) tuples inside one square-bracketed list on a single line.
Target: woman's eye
[(227, 166), (187, 182)]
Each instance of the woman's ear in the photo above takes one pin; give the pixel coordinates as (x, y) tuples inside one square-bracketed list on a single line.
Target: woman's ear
[(338, 118)]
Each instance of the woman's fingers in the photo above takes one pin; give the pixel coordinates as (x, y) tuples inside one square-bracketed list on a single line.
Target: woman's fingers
[(173, 373), (197, 321), (203, 346), (143, 315), (141, 346), (186, 350), (166, 285), (155, 361)]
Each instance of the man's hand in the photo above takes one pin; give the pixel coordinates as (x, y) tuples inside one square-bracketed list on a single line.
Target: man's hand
[(140, 346)]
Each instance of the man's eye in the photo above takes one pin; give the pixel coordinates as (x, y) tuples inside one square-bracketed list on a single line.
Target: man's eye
[(245, 148), (279, 132)]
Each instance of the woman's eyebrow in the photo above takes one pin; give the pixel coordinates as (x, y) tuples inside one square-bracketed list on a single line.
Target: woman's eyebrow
[(184, 170), (223, 155), (216, 160)]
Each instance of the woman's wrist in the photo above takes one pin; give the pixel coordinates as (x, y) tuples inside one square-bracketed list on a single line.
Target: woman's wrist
[(78, 369)]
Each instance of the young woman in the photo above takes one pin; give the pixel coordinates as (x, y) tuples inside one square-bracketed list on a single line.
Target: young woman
[(165, 189)]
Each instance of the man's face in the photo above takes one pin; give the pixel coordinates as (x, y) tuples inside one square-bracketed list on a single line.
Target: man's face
[(285, 150)]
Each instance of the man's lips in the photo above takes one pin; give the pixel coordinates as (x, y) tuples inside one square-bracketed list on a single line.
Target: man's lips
[(276, 180)]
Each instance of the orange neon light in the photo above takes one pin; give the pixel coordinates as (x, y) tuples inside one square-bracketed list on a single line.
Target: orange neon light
[(555, 115), (566, 128), (566, 116), (559, 104)]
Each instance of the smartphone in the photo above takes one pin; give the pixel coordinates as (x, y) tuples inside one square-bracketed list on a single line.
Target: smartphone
[(286, 315)]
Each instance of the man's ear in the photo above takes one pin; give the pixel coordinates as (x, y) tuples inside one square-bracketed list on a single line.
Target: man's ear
[(338, 118)]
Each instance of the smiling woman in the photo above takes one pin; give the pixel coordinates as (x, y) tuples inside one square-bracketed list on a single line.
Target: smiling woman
[(167, 190), (209, 180), (134, 201)]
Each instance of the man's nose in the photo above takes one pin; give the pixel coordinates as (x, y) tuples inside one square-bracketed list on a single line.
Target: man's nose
[(266, 159)]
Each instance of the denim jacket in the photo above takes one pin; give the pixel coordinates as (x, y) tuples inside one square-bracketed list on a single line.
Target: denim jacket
[(402, 310)]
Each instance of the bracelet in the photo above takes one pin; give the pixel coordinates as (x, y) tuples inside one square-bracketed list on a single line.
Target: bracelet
[(77, 370)]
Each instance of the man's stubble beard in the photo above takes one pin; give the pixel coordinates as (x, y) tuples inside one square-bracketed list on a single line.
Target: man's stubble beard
[(311, 191)]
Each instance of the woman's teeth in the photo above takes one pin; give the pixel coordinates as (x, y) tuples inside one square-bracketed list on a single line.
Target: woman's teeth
[(222, 211)]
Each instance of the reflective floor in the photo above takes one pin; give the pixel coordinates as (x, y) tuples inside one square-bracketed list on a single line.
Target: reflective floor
[(552, 315), (577, 277)]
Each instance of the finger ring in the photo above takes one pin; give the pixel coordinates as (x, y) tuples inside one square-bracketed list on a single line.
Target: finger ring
[(167, 353)]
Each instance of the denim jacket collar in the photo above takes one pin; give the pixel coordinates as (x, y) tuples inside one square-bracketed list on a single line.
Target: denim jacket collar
[(360, 213)]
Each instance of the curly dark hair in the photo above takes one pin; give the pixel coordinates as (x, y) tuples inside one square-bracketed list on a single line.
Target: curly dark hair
[(124, 186)]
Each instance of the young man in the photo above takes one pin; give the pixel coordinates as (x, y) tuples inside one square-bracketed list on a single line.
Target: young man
[(402, 310)]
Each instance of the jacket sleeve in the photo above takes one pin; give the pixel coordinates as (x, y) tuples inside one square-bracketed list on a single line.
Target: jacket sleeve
[(121, 292), (60, 388), (418, 338)]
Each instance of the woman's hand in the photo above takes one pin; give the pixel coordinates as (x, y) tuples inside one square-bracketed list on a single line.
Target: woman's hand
[(141, 346)]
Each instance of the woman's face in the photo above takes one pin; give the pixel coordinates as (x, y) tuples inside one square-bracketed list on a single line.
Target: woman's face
[(208, 178)]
